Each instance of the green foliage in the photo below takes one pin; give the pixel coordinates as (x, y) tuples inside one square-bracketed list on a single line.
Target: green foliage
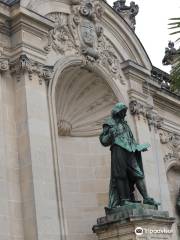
[(175, 72)]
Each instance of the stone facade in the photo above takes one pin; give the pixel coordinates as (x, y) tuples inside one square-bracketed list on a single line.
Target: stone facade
[(63, 65)]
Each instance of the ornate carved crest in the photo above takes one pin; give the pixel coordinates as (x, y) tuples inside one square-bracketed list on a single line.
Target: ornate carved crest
[(86, 16)]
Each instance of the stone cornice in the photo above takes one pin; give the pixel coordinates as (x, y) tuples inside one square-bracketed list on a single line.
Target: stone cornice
[(131, 68)]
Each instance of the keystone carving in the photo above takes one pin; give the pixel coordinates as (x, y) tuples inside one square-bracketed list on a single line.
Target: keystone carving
[(86, 19), (25, 65), (152, 117)]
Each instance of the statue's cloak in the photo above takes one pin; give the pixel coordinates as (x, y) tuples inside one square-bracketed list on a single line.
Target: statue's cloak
[(124, 148)]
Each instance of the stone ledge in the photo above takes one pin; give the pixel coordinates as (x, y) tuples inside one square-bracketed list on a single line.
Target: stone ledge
[(135, 212)]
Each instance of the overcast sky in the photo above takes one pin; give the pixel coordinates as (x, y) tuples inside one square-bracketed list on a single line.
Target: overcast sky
[(152, 26)]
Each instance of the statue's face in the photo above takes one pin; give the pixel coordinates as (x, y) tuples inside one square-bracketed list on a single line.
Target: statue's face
[(122, 114)]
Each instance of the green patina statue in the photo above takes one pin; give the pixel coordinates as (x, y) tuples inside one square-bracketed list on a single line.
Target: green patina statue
[(126, 163)]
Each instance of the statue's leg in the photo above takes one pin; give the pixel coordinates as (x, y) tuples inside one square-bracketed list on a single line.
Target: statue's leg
[(140, 184), (123, 189), (131, 187)]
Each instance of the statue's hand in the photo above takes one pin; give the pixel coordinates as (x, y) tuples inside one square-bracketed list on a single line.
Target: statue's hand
[(112, 132), (144, 149)]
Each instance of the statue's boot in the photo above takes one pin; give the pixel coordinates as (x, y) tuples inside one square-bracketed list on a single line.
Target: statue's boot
[(140, 184)]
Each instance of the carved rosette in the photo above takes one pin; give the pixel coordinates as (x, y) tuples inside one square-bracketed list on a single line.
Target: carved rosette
[(4, 65), (148, 113), (24, 65)]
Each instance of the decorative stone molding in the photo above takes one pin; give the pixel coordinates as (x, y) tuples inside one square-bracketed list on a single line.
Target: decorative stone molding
[(172, 140), (154, 119), (81, 33), (25, 65), (109, 59), (127, 12), (86, 19), (137, 108), (4, 65), (61, 39), (64, 128), (148, 113)]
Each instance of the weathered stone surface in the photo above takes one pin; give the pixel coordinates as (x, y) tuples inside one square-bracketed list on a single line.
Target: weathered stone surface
[(123, 222), (56, 86)]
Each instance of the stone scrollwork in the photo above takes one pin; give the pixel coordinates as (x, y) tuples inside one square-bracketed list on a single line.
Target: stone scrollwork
[(172, 141), (81, 33), (4, 65), (61, 39), (148, 113), (25, 65), (109, 59)]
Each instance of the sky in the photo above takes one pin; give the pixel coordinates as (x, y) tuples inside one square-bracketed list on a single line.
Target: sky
[(152, 26)]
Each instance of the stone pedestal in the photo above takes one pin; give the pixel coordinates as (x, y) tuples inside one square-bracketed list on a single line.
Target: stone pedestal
[(134, 222)]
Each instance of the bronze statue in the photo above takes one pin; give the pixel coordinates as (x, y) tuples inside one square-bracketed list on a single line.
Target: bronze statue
[(126, 162)]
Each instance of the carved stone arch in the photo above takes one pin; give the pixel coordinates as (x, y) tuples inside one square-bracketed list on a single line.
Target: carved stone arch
[(101, 78), (124, 40), (123, 37), (61, 66)]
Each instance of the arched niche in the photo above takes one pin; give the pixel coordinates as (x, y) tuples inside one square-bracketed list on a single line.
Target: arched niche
[(81, 96), (173, 176), (83, 101)]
